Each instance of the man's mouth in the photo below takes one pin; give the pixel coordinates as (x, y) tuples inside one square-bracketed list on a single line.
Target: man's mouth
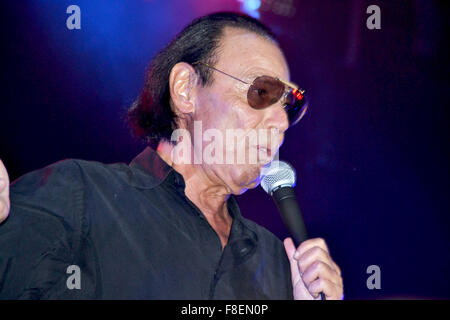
[(264, 154)]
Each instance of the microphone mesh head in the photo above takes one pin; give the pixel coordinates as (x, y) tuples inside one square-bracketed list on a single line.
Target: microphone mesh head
[(276, 174)]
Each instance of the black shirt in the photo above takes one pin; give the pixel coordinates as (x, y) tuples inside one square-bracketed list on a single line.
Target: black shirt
[(133, 234)]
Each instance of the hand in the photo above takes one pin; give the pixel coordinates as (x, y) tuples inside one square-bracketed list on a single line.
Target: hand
[(4, 192), (313, 271)]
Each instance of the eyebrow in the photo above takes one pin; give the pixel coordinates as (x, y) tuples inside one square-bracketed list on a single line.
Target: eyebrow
[(255, 74), (285, 82), (252, 74)]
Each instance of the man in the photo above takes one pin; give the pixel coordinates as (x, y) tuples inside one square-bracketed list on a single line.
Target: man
[(160, 228)]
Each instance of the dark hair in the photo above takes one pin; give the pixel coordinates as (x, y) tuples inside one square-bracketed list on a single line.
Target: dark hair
[(150, 117)]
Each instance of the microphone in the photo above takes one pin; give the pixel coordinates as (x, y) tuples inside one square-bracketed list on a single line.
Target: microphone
[(278, 180)]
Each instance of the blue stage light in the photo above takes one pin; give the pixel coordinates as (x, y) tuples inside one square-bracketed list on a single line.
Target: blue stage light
[(250, 7)]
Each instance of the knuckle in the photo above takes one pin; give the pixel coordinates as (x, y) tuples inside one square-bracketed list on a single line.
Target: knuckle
[(339, 269), (302, 259), (321, 242), (317, 251), (317, 265), (304, 245)]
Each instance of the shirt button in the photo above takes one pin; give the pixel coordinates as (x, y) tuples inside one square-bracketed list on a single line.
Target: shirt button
[(244, 250)]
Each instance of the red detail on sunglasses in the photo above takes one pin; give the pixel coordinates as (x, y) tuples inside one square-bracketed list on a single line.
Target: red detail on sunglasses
[(297, 94)]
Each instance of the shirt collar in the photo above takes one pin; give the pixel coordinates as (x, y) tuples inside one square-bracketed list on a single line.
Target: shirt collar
[(150, 170)]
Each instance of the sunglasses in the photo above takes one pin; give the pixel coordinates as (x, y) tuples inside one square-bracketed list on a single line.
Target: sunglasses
[(264, 91)]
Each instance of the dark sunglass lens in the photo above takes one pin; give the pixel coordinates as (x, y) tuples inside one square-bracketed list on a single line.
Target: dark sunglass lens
[(296, 108), (264, 92), (290, 98)]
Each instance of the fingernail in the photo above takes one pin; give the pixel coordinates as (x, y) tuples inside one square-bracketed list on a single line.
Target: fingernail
[(297, 255)]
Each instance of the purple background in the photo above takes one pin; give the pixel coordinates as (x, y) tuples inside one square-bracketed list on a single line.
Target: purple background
[(372, 154)]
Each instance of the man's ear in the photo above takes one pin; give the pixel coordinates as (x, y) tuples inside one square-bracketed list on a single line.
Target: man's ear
[(182, 82)]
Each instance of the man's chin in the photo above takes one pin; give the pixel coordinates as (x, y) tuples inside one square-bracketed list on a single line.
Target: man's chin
[(250, 179)]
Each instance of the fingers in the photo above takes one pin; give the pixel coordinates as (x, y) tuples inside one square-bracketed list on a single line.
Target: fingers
[(313, 249), (4, 192), (315, 263), (308, 244), (319, 269), (331, 291), (306, 259)]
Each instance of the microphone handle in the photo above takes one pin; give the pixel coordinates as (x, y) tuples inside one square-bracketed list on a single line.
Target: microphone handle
[(289, 209), (287, 205)]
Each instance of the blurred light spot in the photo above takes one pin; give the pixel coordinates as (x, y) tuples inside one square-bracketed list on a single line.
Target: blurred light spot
[(250, 7)]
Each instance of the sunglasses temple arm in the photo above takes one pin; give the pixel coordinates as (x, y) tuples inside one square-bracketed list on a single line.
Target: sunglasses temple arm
[(292, 85)]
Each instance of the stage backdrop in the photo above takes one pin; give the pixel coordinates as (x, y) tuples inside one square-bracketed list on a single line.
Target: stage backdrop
[(371, 155)]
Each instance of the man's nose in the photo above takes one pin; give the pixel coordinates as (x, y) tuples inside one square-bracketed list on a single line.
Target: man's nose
[(276, 117)]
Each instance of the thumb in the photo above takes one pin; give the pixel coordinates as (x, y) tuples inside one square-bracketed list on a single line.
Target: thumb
[(300, 290), (289, 247)]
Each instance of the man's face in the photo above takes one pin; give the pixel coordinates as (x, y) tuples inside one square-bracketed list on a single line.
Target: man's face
[(223, 106)]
